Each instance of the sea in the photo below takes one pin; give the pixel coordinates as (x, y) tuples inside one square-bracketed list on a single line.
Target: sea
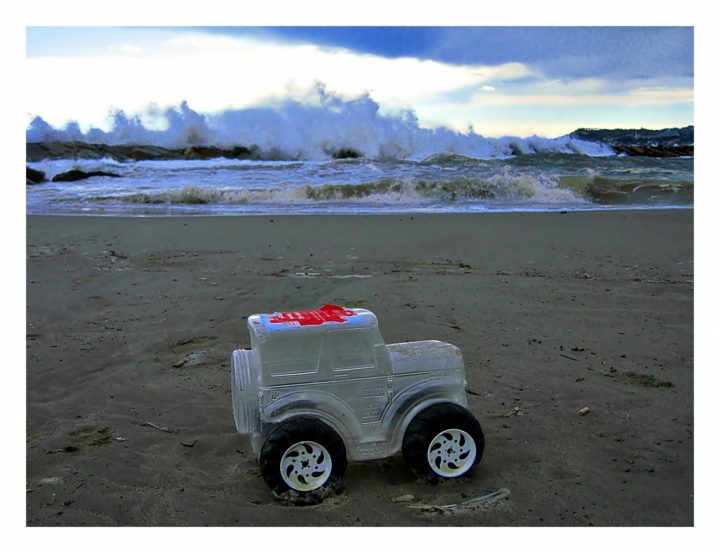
[(401, 167)]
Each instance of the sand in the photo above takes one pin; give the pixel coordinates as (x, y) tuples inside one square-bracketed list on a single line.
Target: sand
[(132, 321)]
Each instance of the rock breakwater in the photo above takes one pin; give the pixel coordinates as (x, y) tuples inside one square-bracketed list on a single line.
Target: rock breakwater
[(655, 151), (38, 151)]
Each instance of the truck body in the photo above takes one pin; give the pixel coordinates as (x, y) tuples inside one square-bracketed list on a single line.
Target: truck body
[(332, 364)]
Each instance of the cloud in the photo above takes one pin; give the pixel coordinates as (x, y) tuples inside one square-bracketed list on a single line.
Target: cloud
[(574, 52), (569, 52), (214, 72), (585, 92)]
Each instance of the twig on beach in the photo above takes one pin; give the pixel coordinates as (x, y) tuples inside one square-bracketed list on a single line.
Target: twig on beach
[(488, 496), (473, 392), (158, 427), (465, 506), (422, 507), (568, 357), (512, 412)]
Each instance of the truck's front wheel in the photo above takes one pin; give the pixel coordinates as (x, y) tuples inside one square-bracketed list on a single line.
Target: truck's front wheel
[(444, 440), (303, 454)]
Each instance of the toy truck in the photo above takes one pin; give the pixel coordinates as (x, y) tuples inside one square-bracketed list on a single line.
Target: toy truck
[(320, 387)]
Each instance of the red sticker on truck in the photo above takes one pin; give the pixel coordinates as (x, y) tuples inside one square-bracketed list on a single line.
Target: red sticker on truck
[(326, 314)]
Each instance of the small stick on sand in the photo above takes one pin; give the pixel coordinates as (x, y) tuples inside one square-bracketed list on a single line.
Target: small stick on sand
[(158, 427)]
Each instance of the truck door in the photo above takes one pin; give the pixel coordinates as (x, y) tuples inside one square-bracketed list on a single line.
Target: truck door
[(356, 376)]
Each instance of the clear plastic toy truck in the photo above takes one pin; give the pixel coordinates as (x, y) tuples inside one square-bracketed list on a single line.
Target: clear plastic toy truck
[(320, 387)]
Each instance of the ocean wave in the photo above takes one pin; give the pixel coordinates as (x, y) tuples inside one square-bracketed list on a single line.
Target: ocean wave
[(657, 192), (518, 188), (310, 132), (398, 191), (446, 182)]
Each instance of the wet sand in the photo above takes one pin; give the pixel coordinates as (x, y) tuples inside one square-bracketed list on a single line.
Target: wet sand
[(132, 321)]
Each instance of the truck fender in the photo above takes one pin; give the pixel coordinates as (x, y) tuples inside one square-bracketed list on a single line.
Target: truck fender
[(404, 407), (320, 405)]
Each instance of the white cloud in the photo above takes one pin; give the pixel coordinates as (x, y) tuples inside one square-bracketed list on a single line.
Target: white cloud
[(213, 73), (584, 92), (130, 49)]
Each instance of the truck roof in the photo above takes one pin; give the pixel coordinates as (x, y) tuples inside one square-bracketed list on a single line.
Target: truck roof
[(328, 314)]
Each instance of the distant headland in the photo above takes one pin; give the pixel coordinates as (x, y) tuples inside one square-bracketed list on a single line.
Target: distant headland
[(672, 142)]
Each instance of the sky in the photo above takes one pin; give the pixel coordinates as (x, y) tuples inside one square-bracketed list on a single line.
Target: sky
[(497, 80)]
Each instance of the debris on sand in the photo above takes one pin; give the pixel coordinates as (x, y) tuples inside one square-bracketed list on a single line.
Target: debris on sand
[(483, 500), (157, 427)]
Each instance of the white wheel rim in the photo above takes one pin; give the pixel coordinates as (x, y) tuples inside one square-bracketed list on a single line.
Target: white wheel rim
[(451, 453), (305, 466)]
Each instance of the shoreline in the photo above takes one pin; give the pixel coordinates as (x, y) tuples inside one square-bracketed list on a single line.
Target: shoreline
[(228, 214), (553, 312)]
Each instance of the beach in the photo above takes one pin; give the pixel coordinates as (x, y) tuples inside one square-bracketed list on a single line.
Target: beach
[(131, 322)]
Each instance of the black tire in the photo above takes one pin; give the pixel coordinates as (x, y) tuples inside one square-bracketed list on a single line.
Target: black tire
[(292, 433), (430, 424)]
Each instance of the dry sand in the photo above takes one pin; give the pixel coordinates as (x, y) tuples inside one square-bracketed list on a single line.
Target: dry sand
[(132, 320)]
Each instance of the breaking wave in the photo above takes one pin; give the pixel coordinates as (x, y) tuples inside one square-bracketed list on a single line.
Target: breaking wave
[(313, 130)]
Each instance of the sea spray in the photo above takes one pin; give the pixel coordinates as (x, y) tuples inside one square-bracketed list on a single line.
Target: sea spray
[(309, 131)]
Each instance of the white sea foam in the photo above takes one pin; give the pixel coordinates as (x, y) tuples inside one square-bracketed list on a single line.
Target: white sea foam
[(310, 132)]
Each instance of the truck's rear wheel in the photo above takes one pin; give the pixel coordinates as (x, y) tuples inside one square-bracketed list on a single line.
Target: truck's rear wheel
[(444, 440), (303, 454)]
